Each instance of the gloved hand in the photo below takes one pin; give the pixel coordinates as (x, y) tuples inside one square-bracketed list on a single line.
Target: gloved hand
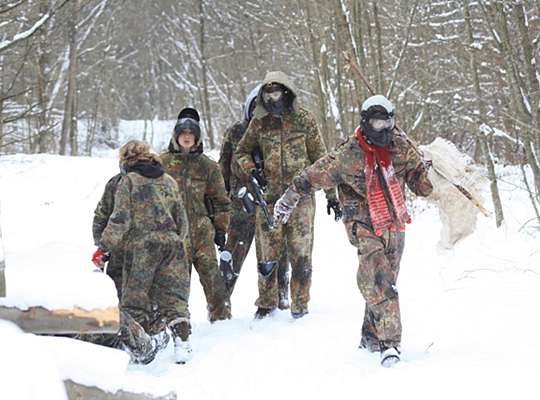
[(334, 205), (285, 206), (99, 258), (219, 240), (259, 176)]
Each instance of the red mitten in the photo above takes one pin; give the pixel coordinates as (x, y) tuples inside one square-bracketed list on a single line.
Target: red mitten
[(99, 258)]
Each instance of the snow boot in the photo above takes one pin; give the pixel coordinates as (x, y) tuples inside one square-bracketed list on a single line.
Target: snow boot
[(181, 329), (182, 351), (299, 314), (162, 340), (263, 312), (283, 299), (390, 357)]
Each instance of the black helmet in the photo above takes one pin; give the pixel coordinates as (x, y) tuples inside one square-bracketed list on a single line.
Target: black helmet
[(377, 120)]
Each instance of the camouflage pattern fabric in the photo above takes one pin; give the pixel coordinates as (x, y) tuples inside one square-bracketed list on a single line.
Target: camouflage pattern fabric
[(289, 142), (379, 257), (150, 222), (242, 225), (102, 213), (199, 177), (295, 239)]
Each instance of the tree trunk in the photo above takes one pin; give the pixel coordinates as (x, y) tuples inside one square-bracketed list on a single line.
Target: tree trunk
[(499, 215), (69, 123), (378, 35), (44, 140), (206, 98)]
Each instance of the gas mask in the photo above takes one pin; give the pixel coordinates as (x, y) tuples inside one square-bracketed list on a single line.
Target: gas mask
[(275, 99)]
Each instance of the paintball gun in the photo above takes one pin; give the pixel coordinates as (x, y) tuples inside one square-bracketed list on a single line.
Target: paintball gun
[(255, 197)]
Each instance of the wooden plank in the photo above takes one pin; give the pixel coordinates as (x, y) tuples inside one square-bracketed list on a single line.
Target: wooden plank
[(76, 320), (76, 391)]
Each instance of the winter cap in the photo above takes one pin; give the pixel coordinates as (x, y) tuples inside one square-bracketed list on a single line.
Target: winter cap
[(189, 112), (135, 151)]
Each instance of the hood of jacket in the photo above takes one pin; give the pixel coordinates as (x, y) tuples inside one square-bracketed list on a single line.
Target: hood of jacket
[(146, 168), (275, 77), (251, 97)]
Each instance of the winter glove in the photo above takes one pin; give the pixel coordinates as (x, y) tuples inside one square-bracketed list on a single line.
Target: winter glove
[(285, 206), (219, 240), (99, 258), (259, 177), (334, 205)]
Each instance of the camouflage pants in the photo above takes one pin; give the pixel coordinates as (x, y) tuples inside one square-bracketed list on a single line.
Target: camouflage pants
[(239, 239), (379, 259), (155, 274), (203, 257), (294, 239)]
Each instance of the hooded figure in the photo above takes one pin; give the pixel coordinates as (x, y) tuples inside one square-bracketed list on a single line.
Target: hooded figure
[(242, 227), (289, 140), (149, 224), (207, 206)]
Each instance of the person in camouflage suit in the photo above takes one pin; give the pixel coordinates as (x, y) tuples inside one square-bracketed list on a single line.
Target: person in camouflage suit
[(149, 223), (242, 226), (289, 140), (207, 205), (371, 169)]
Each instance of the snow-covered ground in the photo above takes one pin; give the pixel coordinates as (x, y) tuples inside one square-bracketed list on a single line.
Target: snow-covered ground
[(470, 315)]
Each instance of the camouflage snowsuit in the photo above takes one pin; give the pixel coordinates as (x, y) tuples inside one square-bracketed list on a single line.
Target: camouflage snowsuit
[(242, 226), (102, 213), (379, 257), (289, 143), (199, 177), (149, 221)]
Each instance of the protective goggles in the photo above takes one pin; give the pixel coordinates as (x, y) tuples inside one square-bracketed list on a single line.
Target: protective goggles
[(381, 124)]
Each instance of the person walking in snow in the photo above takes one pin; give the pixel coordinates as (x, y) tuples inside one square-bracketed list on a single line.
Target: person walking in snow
[(289, 140), (207, 206), (242, 226), (370, 169), (149, 223)]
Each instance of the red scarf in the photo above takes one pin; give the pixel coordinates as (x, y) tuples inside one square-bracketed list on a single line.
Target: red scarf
[(376, 157)]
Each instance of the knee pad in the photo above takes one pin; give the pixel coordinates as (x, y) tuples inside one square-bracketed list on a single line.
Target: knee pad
[(266, 267)]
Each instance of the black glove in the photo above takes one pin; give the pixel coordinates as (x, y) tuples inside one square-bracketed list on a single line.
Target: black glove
[(219, 240), (334, 205), (259, 176)]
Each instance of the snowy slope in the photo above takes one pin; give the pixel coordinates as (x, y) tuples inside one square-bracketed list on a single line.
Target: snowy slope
[(470, 315)]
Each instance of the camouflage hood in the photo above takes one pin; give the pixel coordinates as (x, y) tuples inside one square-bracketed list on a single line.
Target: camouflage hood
[(275, 77)]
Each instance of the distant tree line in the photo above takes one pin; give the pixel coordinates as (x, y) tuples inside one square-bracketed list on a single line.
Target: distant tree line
[(463, 70)]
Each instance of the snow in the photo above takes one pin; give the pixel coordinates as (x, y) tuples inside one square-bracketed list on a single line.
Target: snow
[(470, 314)]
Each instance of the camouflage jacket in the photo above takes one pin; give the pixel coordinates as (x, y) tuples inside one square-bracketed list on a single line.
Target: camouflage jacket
[(104, 208), (199, 177), (233, 175), (345, 167), (143, 206), (289, 142)]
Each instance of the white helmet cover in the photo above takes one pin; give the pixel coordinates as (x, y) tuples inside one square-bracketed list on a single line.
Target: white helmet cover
[(378, 100)]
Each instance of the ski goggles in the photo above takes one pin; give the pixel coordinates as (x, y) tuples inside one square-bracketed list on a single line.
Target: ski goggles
[(381, 124), (273, 96)]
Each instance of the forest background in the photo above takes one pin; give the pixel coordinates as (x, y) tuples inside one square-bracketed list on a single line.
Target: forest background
[(71, 70)]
